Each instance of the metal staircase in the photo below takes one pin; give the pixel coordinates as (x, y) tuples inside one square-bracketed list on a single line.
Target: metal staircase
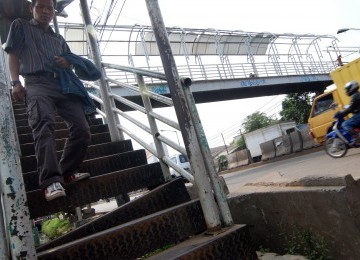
[(163, 216)]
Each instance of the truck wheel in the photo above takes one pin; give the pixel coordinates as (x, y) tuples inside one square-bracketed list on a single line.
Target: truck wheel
[(335, 147)]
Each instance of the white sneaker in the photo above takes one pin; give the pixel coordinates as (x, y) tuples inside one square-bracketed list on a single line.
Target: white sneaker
[(54, 191), (77, 176)]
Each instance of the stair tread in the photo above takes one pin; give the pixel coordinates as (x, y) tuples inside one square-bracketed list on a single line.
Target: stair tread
[(97, 166), (62, 133), (145, 234), (28, 149), (96, 188), (24, 128), (165, 215), (167, 195), (212, 246), (28, 163)]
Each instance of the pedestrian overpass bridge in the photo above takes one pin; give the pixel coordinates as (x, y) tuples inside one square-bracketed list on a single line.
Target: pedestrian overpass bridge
[(220, 86), (222, 64)]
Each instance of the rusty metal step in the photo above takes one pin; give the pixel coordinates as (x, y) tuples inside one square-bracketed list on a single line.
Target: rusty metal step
[(136, 238), (28, 163), (28, 149), (96, 188), (63, 133), (18, 106), (19, 110), (23, 117), (96, 166), (232, 243), (165, 196), (22, 126)]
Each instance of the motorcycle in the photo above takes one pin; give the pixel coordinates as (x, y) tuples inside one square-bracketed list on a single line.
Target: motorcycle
[(338, 141)]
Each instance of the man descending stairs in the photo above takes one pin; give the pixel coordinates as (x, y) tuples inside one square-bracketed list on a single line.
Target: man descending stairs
[(163, 216)]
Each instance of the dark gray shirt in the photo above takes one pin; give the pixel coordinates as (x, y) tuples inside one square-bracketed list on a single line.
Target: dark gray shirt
[(34, 47)]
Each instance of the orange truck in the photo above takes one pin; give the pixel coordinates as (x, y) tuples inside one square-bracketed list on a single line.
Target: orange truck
[(327, 104)]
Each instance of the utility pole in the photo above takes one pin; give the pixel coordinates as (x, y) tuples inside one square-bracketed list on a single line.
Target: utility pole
[(224, 143)]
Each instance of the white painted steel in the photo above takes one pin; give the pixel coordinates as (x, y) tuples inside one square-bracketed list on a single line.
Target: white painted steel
[(112, 120), (13, 196), (183, 111), (153, 127)]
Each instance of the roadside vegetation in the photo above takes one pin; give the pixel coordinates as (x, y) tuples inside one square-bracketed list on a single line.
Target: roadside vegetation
[(295, 107)]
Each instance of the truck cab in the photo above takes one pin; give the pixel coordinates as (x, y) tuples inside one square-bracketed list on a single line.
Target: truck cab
[(322, 114), (324, 106)]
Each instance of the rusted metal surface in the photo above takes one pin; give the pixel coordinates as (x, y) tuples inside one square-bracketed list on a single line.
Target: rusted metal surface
[(96, 188), (23, 126), (13, 196), (28, 149), (135, 239), (18, 110), (63, 133), (168, 195), (233, 243), (28, 163), (103, 165), (100, 150), (97, 166), (183, 111), (220, 195)]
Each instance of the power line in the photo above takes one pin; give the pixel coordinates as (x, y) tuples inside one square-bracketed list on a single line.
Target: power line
[(117, 18), (109, 11), (231, 131)]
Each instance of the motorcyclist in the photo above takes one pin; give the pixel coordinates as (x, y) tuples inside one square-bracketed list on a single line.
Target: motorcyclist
[(351, 89)]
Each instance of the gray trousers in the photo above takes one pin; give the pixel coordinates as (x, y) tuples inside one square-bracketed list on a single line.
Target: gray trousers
[(43, 101)]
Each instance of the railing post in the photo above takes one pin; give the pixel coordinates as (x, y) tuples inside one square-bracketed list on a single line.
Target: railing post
[(209, 163), (109, 102), (153, 126), (182, 109), (4, 238), (17, 217)]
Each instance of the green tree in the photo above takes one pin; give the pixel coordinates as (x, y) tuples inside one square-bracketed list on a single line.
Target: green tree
[(296, 107), (256, 121), (240, 143)]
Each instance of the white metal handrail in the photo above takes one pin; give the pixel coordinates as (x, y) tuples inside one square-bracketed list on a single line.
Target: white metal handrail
[(165, 100), (238, 70)]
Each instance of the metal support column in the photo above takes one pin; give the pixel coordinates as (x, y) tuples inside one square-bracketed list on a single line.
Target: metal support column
[(209, 164), (17, 220), (109, 102), (186, 123)]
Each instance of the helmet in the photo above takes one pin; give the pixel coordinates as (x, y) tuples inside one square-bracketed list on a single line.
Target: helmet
[(351, 87)]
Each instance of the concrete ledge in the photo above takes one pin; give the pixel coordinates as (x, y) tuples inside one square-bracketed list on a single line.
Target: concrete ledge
[(328, 212), (309, 181)]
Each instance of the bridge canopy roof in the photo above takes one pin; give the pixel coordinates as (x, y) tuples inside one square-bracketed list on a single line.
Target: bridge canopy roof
[(139, 40), (208, 43)]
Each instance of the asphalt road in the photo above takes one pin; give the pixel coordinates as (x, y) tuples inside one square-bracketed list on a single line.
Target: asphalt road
[(282, 170), (309, 165)]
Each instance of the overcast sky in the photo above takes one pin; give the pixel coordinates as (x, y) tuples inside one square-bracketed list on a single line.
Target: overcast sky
[(275, 16)]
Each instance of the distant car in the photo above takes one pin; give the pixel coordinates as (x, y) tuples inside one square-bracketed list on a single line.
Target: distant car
[(182, 161)]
